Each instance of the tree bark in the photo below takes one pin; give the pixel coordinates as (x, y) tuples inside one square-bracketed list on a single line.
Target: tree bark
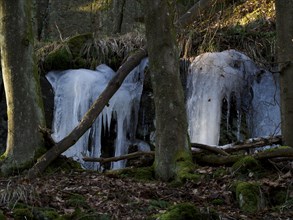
[(118, 13), (89, 118), (22, 86), (172, 145), (284, 11)]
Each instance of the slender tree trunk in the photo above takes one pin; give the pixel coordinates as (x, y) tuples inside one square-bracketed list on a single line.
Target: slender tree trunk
[(118, 12), (172, 145), (285, 55), (21, 82)]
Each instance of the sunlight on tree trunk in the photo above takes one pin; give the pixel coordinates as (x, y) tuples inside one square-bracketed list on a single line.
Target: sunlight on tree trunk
[(21, 81)]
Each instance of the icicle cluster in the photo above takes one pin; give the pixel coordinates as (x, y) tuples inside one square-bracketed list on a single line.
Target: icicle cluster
[(214, 77), (76, 90)]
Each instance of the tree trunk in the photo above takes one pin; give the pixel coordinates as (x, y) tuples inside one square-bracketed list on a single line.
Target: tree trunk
[(284, 11), (21, 82), (118, 13), (172, 147)]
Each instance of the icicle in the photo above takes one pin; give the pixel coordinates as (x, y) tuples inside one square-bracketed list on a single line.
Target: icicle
[(212, 77), (264, 114), (215, 76), (75, 91)]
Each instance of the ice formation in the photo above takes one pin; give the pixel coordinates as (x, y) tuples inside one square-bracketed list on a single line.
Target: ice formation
[(76, 90), (215, 77)]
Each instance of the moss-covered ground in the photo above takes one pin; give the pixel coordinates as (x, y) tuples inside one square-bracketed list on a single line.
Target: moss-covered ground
[(134, 194)]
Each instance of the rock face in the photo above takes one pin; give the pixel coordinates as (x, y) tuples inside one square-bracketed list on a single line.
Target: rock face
[(62, 19)]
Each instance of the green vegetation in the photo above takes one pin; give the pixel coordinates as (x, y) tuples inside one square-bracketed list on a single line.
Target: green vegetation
[(141, 173), (247, 165), (22, 213), (2, 216), (185, 211), (77, 201), (249, 196)]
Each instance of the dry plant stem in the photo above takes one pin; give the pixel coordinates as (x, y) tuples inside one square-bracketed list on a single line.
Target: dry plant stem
[(89, 118), (195, 11)]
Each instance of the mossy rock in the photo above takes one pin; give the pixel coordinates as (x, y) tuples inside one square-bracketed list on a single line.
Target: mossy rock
[(185, 211), (77, 43), (58, 59), (249, 197), (247, 165)]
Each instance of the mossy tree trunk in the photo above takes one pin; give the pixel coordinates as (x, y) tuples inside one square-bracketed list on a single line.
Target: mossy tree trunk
[(172, 146), (284, 11), (21, 82)]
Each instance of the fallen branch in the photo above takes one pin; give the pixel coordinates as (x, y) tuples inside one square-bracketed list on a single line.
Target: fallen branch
[(252, 143), (217, 160), (225, 159), (91, 115), (214, 149), (123, 157)]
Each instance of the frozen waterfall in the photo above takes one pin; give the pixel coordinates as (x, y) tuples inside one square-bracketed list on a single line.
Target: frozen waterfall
[(223, 90), (214, 80), (76, 90)]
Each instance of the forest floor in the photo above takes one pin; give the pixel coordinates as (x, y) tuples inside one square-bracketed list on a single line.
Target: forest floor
[(81, 194)]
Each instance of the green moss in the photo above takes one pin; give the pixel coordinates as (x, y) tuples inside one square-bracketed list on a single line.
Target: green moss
[(184, 211), (2, 216), (220, 172), (84, 215), (161, 204), (249, 196), (140, 173), (218, 202), (22, 213), (276, 148), (45, 213), (247, 165), (77, 43), (77, 201), (58, 59), (180, 212), (185, 168)]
